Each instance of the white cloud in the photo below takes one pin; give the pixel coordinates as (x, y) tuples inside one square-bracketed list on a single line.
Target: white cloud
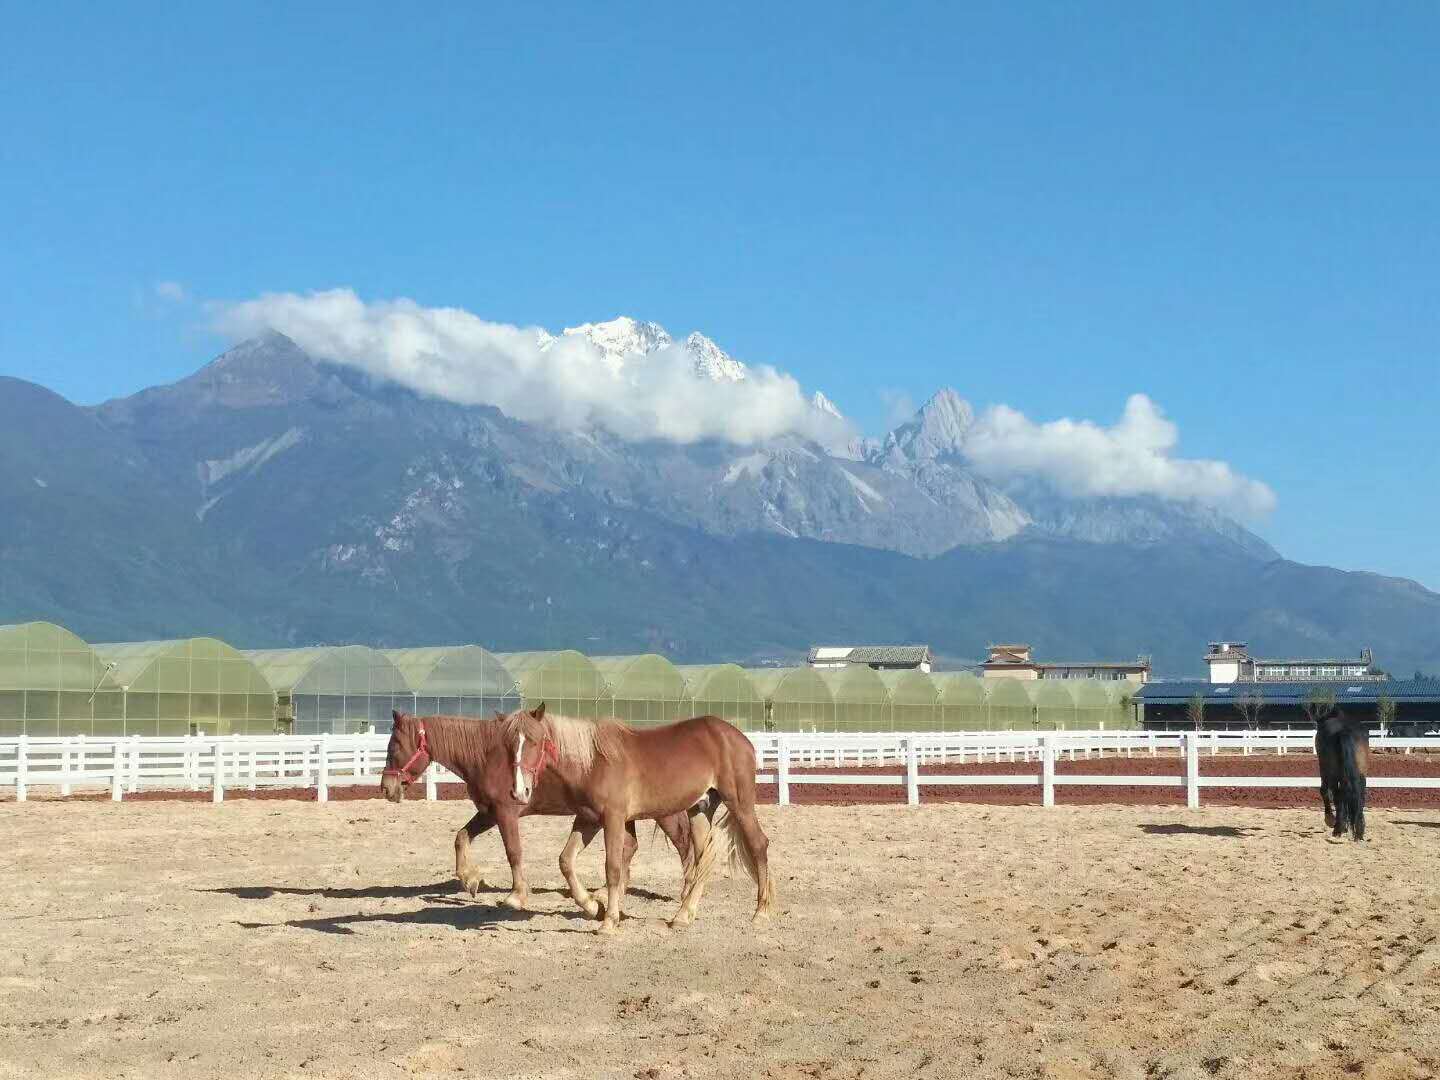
[(453, 354), (1133, 457), (172, 291)]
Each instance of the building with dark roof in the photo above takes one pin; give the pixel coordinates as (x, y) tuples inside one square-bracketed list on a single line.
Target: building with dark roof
[(1166, 705), (1230, 661), (878, 657), (1018, 662)]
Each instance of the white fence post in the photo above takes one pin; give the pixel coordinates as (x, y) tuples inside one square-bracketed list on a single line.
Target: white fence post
[(80, 757), (65, 767), (22, 766), (134, 784), (430, 793), (1192, 770), (217, 784), (117, 770), (322, 779), (912, 772), (1047, 770), (782, 770)]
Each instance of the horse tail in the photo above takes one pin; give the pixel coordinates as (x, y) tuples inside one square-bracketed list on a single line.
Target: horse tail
[(725, 845), (1350, 788)]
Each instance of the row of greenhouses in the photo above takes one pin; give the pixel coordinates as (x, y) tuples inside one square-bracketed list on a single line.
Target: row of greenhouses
[(54, 683)]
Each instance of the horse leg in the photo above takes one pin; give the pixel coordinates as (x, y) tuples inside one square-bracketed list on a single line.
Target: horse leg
[(700, 840), (615, 837), (580, 836), (632, 845), (1325, 798), (1362, 766), (509, 823), (464, 869), (757, 844), (677, 829)]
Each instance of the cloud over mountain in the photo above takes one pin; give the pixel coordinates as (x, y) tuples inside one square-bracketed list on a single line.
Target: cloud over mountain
[(1131, 457), (569, 381)]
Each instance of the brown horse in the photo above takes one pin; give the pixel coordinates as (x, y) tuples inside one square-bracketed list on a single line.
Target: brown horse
[(619, 774), (473, 750), (1342, 746)]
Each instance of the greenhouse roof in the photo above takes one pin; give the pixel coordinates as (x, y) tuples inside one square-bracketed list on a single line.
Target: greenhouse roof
[(329, 669), (789, 684), (855, 683), (453, 671), (911, 687), (41, 655), (138, 664), (698, 677), (647, 674)]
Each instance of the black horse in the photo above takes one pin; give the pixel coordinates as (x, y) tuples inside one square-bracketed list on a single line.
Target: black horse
[(1343, 747)]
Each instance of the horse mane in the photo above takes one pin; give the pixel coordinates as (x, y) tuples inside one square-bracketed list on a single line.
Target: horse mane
[(464, 740), (577, 741)]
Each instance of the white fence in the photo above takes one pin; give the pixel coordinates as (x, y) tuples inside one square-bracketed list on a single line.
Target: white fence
[(196, 763)]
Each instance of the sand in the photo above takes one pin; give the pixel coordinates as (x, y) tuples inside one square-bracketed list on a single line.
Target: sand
[(265, 939)]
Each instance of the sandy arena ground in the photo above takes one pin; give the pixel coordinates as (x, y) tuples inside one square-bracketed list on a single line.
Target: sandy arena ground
[(262, 939)]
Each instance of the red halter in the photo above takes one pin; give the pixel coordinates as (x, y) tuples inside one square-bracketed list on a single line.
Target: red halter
[(422, 749)]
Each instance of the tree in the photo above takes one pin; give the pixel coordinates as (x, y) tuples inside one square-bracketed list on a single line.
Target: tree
[(1195, 711), (1385, 712), (1319, 700), (1250, 704)]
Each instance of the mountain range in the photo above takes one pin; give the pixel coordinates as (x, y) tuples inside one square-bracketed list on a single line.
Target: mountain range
[(277, 498)]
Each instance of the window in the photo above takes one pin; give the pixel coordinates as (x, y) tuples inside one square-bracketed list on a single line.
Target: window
[(1301, 672), (1329, 671), (1354, 670)]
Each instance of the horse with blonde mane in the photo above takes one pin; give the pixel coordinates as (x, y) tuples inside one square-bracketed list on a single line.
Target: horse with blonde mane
[(617, 775), (474, 751)]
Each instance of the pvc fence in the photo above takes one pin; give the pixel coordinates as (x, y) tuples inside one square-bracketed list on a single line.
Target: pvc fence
[(200, 763)]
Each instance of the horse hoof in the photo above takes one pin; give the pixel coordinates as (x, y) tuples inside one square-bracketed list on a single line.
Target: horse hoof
[(607, 928), (514, 903), (593, 908), (679, 922), (760, 918)]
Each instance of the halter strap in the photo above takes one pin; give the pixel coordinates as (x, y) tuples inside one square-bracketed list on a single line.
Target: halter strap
[(422, 749)]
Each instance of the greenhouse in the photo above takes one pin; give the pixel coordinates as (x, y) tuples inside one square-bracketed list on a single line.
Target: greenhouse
[(724, 690), (1009, 705), (796, 699), (962, 703), (644, 690), (567, 681), (336, 689), (914, 700), (456, 680), (194, 686), (862, 700), (1123, 704), (1054, 705), (51, 682)]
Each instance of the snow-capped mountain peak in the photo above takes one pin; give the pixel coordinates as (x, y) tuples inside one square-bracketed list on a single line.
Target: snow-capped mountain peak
[(622, 337), (825, 405), (712, 362), (937, 430)]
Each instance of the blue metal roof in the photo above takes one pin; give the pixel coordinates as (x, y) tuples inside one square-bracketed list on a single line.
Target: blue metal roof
[(1289, 693)]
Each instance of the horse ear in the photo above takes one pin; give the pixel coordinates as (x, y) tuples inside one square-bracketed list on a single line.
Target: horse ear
[(396, 715), (499, 715), (539, 711)]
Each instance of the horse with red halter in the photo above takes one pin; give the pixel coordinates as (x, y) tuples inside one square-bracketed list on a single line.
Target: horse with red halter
[(618, 774), (474, 751)]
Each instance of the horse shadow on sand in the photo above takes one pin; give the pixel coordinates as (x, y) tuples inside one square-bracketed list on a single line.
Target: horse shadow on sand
[(448, 905), (1229, 832)]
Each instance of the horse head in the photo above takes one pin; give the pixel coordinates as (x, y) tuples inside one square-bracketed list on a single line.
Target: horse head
[(531, 747), (407, 756)]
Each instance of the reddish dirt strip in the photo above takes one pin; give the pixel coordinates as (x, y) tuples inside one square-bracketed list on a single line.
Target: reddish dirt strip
[(841, 794)]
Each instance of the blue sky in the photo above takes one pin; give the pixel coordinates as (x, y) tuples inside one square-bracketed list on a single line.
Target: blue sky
[(1229, 208)]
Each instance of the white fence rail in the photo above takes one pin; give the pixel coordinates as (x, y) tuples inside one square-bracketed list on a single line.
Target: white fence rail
[(196, 763)]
